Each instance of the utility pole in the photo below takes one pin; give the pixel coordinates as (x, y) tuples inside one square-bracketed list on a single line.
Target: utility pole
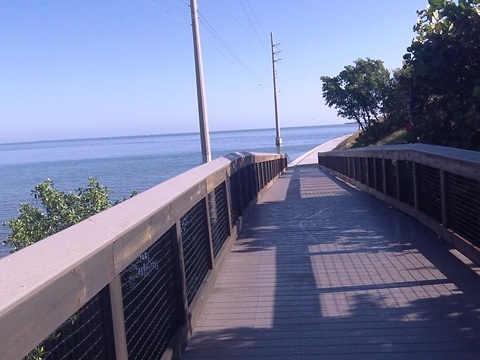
[(202, 107), (278, 139)]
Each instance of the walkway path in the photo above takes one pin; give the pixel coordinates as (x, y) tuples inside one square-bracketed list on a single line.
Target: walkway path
[(323, 271)]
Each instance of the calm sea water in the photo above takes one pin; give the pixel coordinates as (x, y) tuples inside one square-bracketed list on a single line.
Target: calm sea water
[(132, 163)]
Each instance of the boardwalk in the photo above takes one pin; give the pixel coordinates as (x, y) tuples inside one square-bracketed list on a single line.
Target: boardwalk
[(323, 271)]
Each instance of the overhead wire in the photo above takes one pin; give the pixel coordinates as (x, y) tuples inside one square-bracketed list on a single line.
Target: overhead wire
[(219, 43), (179, 17), (251, 24), (243, 28), (255, 16), (225, 45)]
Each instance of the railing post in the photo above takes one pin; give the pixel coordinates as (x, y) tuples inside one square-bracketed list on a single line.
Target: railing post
[(384, 179), (354, 168), (397, 178), (228, 203), (118, 319), (443, 197), (179, 266), (416, 192), (210, 201)]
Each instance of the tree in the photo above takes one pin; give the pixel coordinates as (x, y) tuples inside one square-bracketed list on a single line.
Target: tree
[(444, 60), (57, 211), (358, 92)]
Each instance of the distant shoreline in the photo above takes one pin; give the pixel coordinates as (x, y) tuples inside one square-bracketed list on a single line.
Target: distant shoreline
[(102, 138)]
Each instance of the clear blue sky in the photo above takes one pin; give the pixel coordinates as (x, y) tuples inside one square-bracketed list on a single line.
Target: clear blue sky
[(89, 68)]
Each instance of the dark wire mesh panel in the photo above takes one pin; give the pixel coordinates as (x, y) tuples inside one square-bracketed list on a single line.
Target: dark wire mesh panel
[(371, 172), (269, 171), (346, 168), (391, 178), (86, 335), (464, 207), (429, 192), (249, 179), (324, 161), (150, 300), (234, 191), (358, 169), (406, 181), (259, 182), (379, 175), (351, 166), (335, 164), (258, 177), (264, 174), (196, 250), (217, 205), (363, 171)]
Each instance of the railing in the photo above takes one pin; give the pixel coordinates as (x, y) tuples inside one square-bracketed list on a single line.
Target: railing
[(437, 185), (129, 283)]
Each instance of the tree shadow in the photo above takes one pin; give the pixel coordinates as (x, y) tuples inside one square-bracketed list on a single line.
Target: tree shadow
[(321, 270)]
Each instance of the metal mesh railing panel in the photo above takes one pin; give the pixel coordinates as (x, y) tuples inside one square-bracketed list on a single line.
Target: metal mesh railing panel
[(346, 167), (429, 192), (150, 300), (249, 180), (244, 184), (358, 170), (351, 167), (258, 176), (464, 207), (196, 252), (234, 190), (391, 178), (406, 182), (83, 336), (371, 172), (379, 175), (217, 205), (363, 170)]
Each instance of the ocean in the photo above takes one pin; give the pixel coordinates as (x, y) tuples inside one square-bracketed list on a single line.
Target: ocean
[(131, 163)]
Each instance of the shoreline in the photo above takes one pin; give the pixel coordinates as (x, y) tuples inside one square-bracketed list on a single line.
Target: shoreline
[(310, 157)]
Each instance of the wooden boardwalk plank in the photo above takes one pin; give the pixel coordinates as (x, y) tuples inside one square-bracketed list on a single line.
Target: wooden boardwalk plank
[(323, 271)]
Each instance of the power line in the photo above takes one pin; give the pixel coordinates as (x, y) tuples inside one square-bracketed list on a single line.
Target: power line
[(255, 16), (179, 17), (178, 11), (225, 45), (251, 24), (229, 13)]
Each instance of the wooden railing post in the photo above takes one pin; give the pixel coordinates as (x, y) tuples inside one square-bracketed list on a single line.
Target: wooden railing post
[(179, 266), (209, 202), (228, 203), (118, 319)]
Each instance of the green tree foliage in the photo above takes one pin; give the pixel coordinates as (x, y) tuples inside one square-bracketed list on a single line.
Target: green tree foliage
[(444, 60), (358, 92), (57, 211)]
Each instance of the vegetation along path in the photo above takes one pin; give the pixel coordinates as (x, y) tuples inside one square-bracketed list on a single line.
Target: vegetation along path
[(321, 270)]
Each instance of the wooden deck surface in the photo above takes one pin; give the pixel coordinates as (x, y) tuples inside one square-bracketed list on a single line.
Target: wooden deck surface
[(323, 271)]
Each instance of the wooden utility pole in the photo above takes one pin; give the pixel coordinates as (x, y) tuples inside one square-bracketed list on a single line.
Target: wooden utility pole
[(202, 107), (278, 139)]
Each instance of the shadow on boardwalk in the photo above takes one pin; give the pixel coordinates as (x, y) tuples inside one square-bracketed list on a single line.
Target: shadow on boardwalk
[(323, 271)]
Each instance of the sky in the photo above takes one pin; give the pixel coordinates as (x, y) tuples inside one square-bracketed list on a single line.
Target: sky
[(86, 68)]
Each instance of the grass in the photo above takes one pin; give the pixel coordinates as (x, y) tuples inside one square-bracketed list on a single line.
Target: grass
[(398, 137)]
